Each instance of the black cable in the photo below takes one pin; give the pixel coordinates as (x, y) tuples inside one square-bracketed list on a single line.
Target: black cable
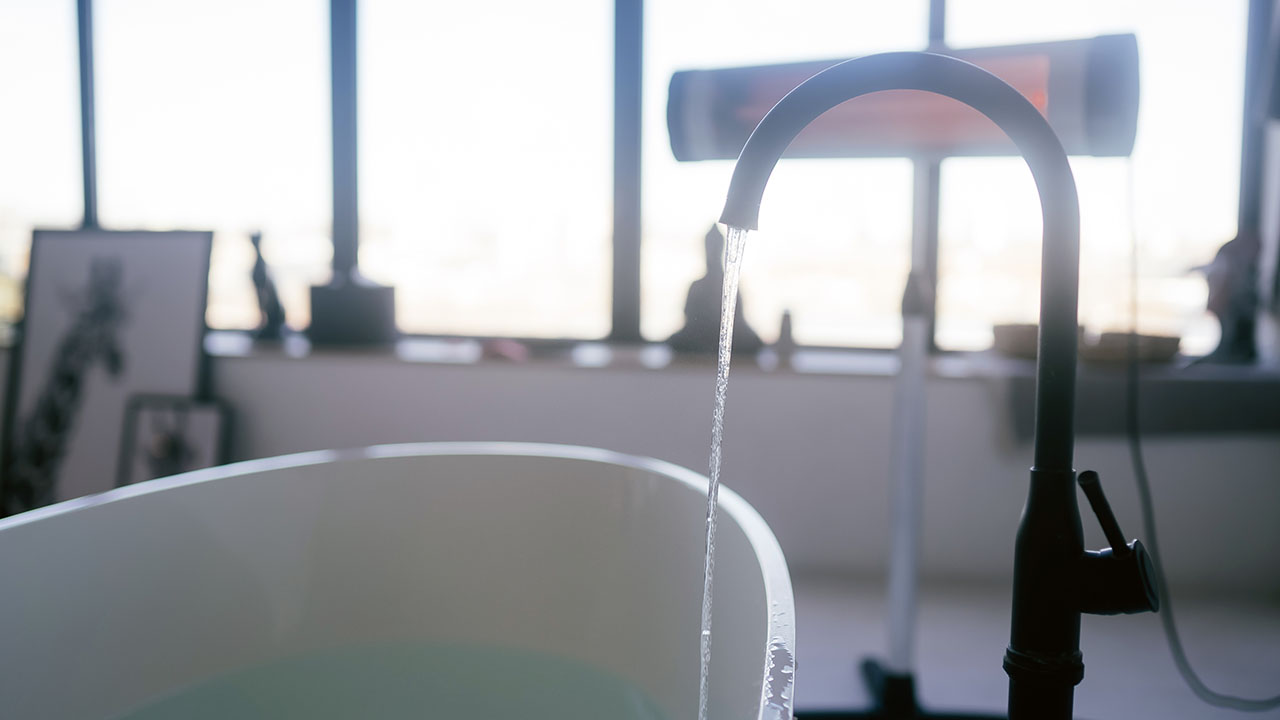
[(1134, 432)]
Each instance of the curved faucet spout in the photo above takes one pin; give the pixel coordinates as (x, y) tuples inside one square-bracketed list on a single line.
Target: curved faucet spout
[(1043, 659), (1028, 129)]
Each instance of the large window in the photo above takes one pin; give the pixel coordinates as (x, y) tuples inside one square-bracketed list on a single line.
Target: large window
[(835, 235), (39, 133), (485, 156), (1179, 188), (214, 114)]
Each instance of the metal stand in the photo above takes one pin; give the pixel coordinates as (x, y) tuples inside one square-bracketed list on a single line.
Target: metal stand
[(893, 697), (891, 683)]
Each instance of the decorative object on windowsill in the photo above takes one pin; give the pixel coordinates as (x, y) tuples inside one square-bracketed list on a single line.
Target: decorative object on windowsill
[(785, 345), (1113, 347), (1233, 298), (352, 311), (1020, 339), (701, 331), (507, 349), (170, 434), (108, 315), (273, 325)]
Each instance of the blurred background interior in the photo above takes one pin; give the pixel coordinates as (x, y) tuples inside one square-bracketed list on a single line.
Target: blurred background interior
[(518, 190)]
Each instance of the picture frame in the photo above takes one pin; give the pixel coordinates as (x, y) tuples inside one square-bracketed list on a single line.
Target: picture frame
[(108, 315), (169, 434)]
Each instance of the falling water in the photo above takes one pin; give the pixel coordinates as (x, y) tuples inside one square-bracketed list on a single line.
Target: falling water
[(733, 245)]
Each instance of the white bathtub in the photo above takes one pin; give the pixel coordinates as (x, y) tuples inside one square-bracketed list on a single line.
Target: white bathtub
[(110, 601)]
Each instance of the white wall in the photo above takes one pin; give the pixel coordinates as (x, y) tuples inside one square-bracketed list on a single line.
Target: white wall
[(810, 452)]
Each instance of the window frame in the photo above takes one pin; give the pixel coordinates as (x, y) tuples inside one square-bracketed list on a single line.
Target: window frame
[(627, 168)]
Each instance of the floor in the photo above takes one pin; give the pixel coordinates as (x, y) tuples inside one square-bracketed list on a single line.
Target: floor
[(1129, 675)]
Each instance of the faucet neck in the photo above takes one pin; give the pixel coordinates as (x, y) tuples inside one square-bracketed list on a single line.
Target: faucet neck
[(1023, 123)]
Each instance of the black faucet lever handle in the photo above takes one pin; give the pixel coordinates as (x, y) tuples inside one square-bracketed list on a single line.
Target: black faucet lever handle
[(1119, 580), (1092, 488)]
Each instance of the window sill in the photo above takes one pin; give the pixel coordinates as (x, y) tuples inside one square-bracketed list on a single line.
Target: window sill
[(1176, 397), (583, 354)]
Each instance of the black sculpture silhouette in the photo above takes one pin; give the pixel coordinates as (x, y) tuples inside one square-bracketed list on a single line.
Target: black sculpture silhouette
[(273, 325), (42, 436), (1233, 298), (701, 331)]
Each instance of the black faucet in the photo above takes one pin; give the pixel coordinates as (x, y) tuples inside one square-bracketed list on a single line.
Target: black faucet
[(1054, 578)]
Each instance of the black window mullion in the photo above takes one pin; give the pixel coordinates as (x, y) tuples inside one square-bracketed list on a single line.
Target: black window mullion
[(926, 196), (346, 227), (628, 36), (88, 145)]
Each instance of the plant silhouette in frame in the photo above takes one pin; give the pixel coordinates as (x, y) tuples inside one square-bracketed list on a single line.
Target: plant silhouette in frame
[(100, 311)]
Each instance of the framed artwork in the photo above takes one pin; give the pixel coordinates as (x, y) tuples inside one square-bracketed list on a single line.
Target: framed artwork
[(168, 434), (109, 315)]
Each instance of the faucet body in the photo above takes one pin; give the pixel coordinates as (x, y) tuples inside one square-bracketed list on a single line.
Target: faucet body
[(1051, 568)]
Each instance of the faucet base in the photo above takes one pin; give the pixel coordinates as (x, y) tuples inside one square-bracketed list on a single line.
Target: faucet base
[(1032, 700), (1042, 687)]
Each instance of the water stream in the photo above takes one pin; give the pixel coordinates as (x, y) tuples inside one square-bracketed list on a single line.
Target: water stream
[(733, 245)]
